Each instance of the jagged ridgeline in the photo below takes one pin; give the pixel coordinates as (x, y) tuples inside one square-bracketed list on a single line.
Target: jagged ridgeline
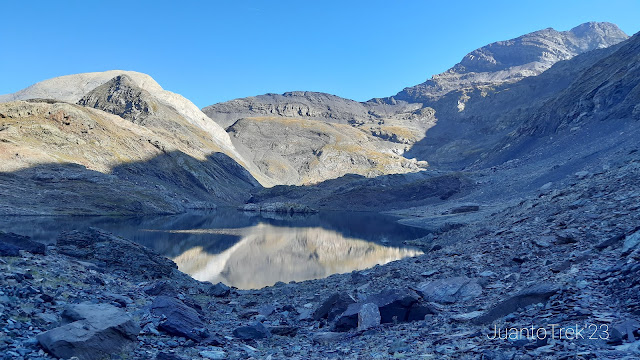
[(120, 130)]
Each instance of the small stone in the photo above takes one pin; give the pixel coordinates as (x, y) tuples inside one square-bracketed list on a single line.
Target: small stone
[(631, 242), (581, 174), (543, 241), (327, 337), (252, 332), (546, 186), (213, 354)]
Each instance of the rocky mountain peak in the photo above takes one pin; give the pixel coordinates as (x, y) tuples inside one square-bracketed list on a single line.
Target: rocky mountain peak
[(122, 97), (512, 60)]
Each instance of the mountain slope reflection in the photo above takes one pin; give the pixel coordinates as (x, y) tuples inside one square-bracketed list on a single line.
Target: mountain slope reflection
[(267, 254)]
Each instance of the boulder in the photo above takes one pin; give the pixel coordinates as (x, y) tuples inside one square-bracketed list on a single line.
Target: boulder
[(252, 332), (333, 306), (394, 305), (568, 236), (450, 290), (114, 253), (160, 287), (23, 243), (368, 316), (219, 290), (168, 356), (181, 320), (98, 331), (83, 311), (537, 294)]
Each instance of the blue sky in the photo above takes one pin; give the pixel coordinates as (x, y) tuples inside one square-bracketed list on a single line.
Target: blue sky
[(213, 51)]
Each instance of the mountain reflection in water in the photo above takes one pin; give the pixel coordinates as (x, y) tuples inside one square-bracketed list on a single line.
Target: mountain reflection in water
[(247, 250), (266, 254)]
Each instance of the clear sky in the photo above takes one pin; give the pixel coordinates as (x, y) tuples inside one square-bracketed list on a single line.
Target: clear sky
[(213, 51)]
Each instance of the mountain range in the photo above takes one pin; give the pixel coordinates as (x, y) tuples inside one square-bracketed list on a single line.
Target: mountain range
[(506, 101)]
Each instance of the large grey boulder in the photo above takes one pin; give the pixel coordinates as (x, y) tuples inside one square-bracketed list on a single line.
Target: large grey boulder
[(368, 316), (97, 331), (181, 320), (450, 290)]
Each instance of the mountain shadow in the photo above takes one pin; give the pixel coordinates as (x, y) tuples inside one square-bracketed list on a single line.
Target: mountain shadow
[(168, 183)]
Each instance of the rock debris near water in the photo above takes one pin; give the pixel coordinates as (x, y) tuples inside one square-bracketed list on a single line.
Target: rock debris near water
[(455, 296)]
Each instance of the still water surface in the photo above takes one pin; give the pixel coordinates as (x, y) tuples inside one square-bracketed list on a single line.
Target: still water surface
[(249, 250)]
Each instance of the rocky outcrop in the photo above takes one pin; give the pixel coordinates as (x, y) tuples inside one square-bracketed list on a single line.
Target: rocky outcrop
[(72, 88), (114, 254), (312, 106), (20, 242), (316, 151), (120, 96)]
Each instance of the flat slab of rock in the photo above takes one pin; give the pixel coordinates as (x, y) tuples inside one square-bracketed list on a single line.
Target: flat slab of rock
[(537, 294), (181, 320), (450, 290), (99, 331)]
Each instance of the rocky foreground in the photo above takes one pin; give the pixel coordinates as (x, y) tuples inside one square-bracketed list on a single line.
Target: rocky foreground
[(563, 263)]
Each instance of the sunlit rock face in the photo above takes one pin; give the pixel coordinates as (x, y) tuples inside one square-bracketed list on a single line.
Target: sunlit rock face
[(267, 254)]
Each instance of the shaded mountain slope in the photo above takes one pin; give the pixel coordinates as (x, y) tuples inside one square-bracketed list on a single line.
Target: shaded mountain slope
[(60, 158), (494, 112)]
